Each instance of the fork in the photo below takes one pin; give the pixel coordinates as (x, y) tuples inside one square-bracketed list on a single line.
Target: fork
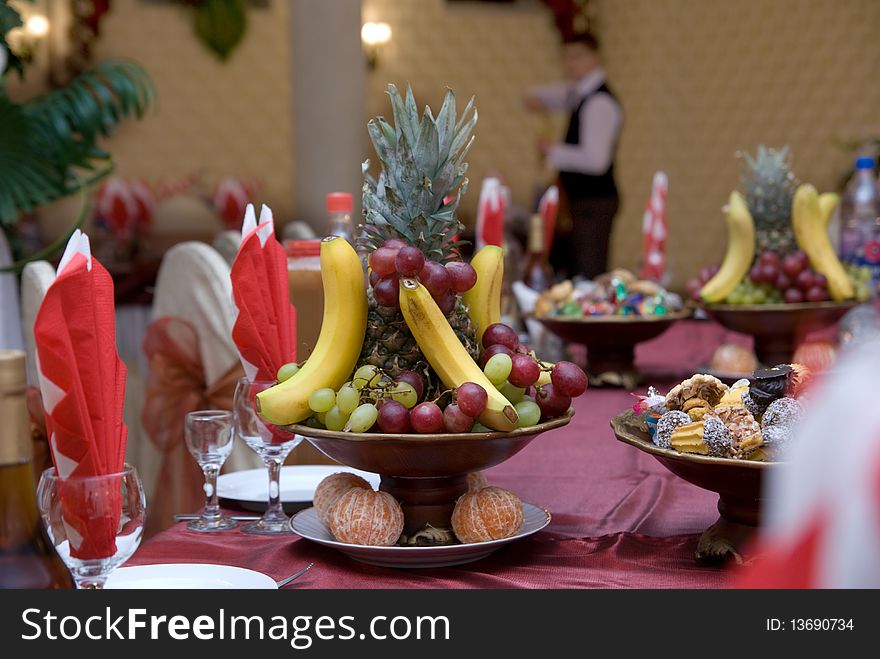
[(296, 575)]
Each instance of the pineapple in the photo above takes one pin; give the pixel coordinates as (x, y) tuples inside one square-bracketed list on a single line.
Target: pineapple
[(769, 186), (414, 200)]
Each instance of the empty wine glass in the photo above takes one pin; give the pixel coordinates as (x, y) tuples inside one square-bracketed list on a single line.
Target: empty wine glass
[(209, 436), (271, 443), (95, 522)]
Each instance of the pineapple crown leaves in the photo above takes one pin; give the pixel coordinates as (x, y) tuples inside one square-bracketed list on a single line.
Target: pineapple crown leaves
[(422, 160), (769, 185)]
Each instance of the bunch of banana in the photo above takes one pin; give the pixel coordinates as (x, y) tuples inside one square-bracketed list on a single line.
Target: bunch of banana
[(339, 344), (484, 299), (810, 214), (447, 355), (740, 251)]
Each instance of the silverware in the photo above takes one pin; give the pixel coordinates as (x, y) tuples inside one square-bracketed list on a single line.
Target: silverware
[(238, 518), (297, 575)]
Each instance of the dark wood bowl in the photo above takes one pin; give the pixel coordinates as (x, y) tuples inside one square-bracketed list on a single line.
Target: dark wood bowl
[(611, 341), (426, 473), (738, 483), (778, 328)]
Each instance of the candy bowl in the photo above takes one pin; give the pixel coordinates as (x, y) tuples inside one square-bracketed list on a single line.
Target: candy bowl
[(739, 484)]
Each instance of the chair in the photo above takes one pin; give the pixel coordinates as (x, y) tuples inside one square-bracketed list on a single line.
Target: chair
[(193, 365), (227, 244), (10, 319)]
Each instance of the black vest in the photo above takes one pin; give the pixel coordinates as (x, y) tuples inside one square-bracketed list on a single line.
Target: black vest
[(576, 184)]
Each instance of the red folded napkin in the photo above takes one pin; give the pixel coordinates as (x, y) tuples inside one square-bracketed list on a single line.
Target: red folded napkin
[(490, 214), (82, 381), (548, 207), (265, 324)]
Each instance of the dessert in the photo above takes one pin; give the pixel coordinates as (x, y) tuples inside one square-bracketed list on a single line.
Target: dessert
[(782, 412), (718, 438), (487, 514), (707, 387), (688, 438), (667, 424), (331, 489), (366, 517), (744, 431)]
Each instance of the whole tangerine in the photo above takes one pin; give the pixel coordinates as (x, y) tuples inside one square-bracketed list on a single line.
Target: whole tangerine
[(332, 488), (366, 517), (491, 513)]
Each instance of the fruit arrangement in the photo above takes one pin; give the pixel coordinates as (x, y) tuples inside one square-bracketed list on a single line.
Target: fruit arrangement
[(778, 248), (616, 293), (754, 419), (420, 349)]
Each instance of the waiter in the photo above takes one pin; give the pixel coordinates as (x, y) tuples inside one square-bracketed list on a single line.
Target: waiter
[(585, 159)]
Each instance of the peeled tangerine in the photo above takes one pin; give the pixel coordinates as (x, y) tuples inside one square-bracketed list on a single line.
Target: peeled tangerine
[(487, 514), (365, 517), (332, 488)]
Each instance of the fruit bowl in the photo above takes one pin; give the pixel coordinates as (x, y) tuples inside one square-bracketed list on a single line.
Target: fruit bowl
[(778, 328), (737, 482), (425, 473), (611, 341)]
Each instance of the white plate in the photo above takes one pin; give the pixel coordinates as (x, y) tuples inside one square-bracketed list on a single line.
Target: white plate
[(188, 576), (250, 488), (306, 524)]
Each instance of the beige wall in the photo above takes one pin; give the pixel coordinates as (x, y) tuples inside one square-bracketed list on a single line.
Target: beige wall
[(701, 80), (225, 118)]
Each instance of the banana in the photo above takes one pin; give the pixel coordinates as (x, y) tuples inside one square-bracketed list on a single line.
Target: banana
[(339, 344), (446, 354), (827, 204), (740, 251), (484, 299), (810, 214), (544, 378)]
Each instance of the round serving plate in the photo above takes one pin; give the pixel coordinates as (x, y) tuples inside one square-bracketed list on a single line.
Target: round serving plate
[(188, 576), (425, 473), (777, 328), (611, 342), (738, 484), (307, 525)]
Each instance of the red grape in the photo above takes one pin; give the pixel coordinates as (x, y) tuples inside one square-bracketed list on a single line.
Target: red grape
[(783, 281), (471, 398), (499, 333), (793, 296), (552, 402), (804, 281), (802, 259), (455, 420), (769, 258), (491, 351), (374, 277), (816, 294), (393, 417), (382, 261), (820, 280), (387, 291), (414, 380), (435, 278), (463, 275), (524, 372), (446, 302), (769, 273), (755, 273), (707, 273), (791, 266), (395, 243), (410, 261), (426, 418), (569, 379), (694, 286)]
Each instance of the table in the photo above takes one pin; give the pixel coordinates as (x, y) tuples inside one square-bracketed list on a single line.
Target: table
[(620, 520)]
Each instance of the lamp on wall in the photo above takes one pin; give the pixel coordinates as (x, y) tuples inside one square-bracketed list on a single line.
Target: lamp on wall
[(374, 36), (25, 40)]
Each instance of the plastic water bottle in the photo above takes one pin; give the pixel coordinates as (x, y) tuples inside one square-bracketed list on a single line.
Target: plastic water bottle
[(339, 206), (860, 220)]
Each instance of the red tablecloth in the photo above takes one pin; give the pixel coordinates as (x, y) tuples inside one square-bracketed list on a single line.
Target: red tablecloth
[(619, 518)]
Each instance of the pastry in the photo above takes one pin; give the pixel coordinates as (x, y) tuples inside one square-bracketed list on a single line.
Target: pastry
[(718, 438), (745, 431), (768, 384), (782, 412), (707, 387), (667, 423), (777, 437), (689, 438), (733, 358), (734, 395), (799, 380), (696, 408), (755, 407)]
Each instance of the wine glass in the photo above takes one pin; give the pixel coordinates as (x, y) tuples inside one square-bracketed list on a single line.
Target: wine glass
[(95, 522), (209, 438), (271, 443)]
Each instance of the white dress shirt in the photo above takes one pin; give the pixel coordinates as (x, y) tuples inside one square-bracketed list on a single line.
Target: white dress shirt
[(600, 120)]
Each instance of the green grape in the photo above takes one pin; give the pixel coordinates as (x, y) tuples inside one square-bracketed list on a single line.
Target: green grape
[(511, 393), (734, 298), (525, 398), (498, 368), (347, 399), (335, 420), (865, 273), (363, 418), (321, 400), (759, 296), (749, 298), (364, 375), (529, 413), (863, 293), (479, 427), (287, 371), (403, 392)]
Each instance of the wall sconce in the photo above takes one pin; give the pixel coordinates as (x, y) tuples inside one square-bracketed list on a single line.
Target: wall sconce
[(374, 36), (25, 40)]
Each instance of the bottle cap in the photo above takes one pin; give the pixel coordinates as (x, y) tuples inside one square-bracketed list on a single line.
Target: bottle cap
[(339, 202), (865, 162), (303, 248)]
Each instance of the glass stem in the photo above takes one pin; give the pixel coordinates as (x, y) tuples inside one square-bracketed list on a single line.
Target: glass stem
[(274, 511), (212, 508), (90, 582)]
